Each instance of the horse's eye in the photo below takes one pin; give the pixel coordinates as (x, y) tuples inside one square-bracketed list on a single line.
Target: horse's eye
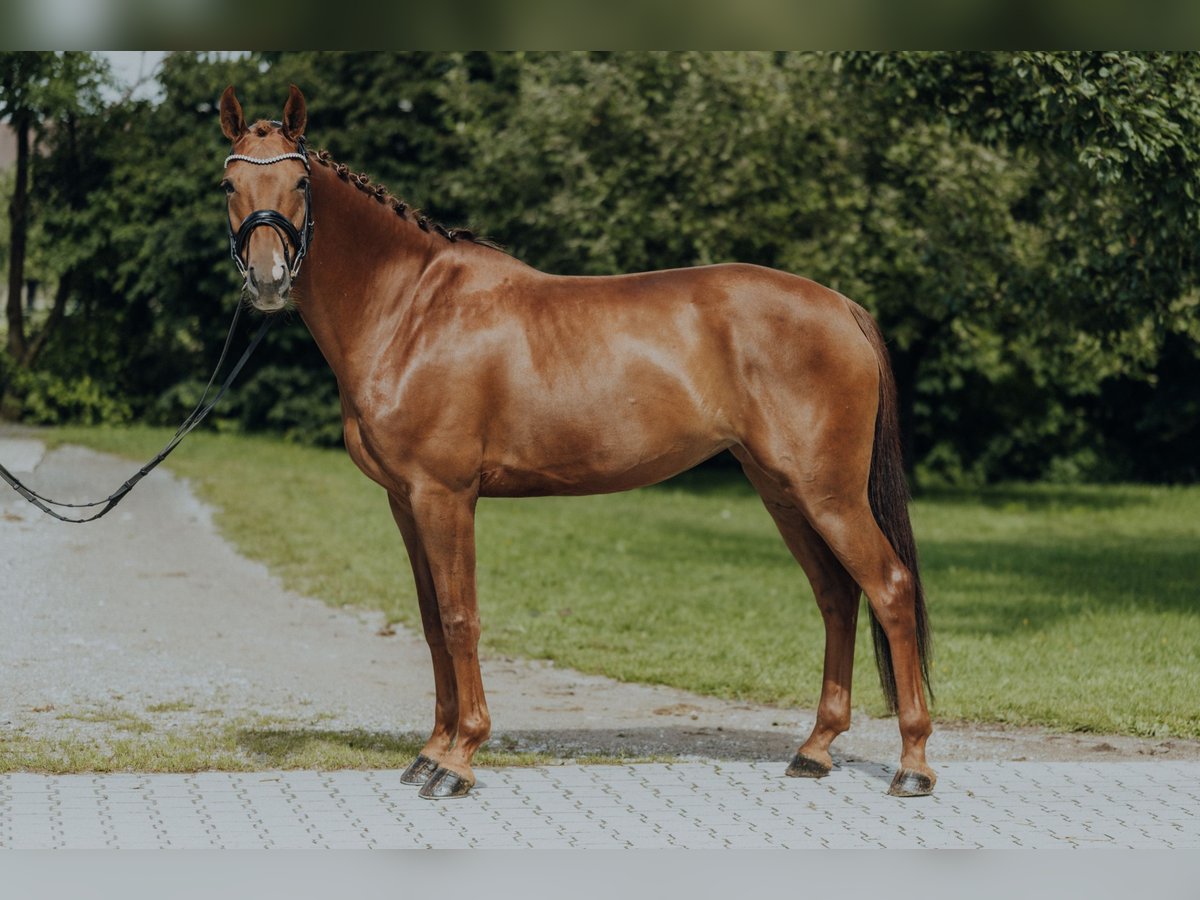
[(302, 183), (227, 186)]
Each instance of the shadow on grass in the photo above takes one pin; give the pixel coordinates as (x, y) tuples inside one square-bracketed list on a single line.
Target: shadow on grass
[(746, 549), (1039, 497), (995, 588), (292, 748), (289, 748), (720, 475), (995, 584)]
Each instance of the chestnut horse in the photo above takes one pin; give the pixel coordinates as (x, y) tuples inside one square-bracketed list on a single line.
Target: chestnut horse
[(464, 373)]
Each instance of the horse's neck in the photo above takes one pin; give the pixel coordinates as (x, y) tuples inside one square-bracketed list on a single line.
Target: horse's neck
[(364, 263)]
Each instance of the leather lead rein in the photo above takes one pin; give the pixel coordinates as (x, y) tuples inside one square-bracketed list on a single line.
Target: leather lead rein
[(292, 238), (196, 416)]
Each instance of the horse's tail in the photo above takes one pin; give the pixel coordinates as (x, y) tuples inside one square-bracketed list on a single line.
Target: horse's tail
[(887, 490)]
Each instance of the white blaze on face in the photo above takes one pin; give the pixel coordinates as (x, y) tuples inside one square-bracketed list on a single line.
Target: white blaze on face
[(279, 268)]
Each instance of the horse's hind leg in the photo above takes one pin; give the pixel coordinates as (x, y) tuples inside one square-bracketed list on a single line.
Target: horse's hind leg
[(831, 492), (445, 714), (850, 529), (837, 598)]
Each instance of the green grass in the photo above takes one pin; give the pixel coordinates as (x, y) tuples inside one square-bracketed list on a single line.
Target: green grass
[(169, 706), (241, 747), (120, 720), (1071, 607)]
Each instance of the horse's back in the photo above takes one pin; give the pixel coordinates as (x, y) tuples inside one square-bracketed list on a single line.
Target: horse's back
[(733, 328)]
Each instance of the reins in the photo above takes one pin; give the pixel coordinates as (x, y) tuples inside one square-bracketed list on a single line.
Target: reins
[(292, 238), (194, 418)]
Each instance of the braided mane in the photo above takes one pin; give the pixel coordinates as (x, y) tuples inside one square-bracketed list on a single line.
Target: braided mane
[(380, 193)]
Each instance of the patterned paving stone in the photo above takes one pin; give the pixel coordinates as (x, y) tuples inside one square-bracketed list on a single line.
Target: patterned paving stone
[(693, 805)]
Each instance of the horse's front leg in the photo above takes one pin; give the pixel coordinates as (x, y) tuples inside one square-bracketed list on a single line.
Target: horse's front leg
[(445, 523), (445, 713)]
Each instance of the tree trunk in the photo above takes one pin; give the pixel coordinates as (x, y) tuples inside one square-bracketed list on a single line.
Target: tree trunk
[(35, 343), (18, 210), (34, 348)]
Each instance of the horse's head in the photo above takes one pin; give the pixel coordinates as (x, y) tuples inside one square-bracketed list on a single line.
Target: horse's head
[(270, 216)]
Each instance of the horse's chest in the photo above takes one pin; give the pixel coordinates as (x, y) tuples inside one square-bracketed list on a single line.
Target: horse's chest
[(364, 456)]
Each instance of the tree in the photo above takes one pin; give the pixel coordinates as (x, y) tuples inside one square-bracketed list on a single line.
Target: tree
[(1000, 222), (605, 163), (1116, 140), (41, 93), (1125, 125), (993, 252), (597, 163)]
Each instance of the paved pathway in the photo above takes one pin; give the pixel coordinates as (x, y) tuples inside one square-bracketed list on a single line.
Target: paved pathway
[(686, 805)]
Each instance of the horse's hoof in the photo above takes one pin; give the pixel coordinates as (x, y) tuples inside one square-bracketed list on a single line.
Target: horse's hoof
[(806, 767), (445, 785), (909, 783), (420, 771)]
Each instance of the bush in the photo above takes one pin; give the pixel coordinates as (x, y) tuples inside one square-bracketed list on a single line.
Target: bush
[(45, 398), (294, 401)]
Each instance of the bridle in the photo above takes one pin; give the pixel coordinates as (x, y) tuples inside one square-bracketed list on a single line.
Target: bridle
[(237, 242), (273, 218)]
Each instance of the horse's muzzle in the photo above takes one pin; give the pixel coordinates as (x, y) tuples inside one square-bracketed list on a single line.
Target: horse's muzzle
[(268, 294)]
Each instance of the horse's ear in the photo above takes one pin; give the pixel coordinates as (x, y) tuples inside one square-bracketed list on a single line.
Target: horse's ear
[(295, 114), (232, 122)]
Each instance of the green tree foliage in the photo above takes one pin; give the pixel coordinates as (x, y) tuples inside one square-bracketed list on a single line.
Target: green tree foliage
[(1018, 222), (154, 289), (605, 163), (1121, 126), (42, 94), (1112, 295)]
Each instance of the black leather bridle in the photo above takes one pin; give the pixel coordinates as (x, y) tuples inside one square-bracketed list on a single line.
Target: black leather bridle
[(293, 240)]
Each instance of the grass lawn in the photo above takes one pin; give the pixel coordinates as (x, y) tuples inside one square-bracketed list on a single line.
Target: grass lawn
[(142, 745), (1072, 607)]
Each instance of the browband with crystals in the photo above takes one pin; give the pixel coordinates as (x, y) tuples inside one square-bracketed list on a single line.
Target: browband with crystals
[(265, 161), (298, 240)]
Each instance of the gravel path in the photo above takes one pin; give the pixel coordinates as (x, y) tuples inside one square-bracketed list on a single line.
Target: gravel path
[(149, 613)]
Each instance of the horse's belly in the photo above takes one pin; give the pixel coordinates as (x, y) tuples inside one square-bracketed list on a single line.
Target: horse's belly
[(610, 410), (576, 465)]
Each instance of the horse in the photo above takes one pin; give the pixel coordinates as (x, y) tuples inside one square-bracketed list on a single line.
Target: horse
[(465, 373)]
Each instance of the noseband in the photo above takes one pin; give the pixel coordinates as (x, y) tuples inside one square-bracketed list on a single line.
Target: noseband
[(273, 218)]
